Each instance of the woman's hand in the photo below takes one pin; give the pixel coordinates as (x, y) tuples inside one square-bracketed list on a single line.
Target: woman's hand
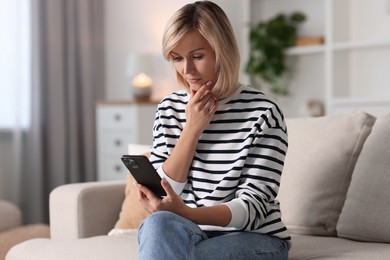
[(219, 215), (171, 202), (200, 109), (199, 112)]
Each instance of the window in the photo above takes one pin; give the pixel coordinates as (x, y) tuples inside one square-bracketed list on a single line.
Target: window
[(15, 63)]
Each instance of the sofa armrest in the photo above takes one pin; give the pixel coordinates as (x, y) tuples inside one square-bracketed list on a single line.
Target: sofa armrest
[(85, 209), (10, 215)]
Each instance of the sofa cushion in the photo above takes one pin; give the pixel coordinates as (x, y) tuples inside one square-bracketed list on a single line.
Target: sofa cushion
[(94, 248), (320, 159), (365, 215), (318, 247)]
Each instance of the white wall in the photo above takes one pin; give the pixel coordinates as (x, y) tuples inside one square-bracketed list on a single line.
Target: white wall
[(368, 21), (137, 26)]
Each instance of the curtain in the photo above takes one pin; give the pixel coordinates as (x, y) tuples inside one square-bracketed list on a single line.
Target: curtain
[(15, 71), (68, 78)]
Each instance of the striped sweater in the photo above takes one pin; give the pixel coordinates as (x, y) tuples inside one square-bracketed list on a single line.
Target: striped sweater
[(238, 160)]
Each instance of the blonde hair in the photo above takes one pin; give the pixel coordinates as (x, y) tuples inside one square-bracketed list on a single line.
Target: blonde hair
[(211, 22)]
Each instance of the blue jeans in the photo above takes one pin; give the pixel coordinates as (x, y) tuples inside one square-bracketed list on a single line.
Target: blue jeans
[(165, 235)]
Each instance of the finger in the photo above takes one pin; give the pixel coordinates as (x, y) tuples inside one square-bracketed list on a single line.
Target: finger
[(193, 92), (140, 194), (145, 192), (208, 84), (213, 106), (208, 102), (203, 91), (167, 187)]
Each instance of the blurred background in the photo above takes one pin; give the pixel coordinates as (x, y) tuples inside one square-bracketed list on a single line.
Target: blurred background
[(81, 79)]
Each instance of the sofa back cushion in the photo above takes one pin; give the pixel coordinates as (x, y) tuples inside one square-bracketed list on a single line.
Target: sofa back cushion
[(320, 159), (366, 212)]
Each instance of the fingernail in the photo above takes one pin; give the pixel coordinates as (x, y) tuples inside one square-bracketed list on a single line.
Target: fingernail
[(208, 83), (164, 180)]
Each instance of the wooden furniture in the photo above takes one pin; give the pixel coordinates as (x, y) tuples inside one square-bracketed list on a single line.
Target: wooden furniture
[(119, 123)]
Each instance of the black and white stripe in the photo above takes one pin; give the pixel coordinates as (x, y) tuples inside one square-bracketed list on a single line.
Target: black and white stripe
[(240, 155)]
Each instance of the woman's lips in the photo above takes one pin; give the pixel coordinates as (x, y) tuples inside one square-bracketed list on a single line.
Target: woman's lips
[(192, 81)]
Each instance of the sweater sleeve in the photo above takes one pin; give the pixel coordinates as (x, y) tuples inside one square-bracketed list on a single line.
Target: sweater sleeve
[(160, 153), (260, 178), (178, 187), (239, 213)]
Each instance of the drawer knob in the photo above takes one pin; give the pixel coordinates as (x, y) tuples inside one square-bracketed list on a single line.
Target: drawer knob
[(118, 168), (118, 117)]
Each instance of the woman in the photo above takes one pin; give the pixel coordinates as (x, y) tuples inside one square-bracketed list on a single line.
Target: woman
[(220, 148)]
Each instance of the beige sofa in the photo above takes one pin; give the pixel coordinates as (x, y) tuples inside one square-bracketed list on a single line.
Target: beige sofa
[(12, 230), (334, 197)]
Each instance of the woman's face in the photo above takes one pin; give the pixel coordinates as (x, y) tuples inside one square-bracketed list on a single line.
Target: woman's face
[(194, 60)]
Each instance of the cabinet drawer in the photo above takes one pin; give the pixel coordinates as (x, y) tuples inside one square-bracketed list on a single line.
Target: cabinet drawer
[(117, 126), (112, 169), (115, 142), (111, 117)]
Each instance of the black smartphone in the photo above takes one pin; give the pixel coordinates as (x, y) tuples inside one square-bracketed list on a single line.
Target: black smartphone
[(144, 173)]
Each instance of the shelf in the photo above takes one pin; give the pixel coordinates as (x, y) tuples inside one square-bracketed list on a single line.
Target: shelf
[(361, 44), (350, 69), (315, 49), (338, 47), (375, 107), (348, 102)]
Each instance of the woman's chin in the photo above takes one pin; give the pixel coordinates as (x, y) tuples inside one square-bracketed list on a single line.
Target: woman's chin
[(194, 89), (193, 92)]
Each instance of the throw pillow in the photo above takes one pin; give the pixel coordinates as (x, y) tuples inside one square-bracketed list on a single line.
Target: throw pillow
[(321, 157), (132, 213), (365, 215)]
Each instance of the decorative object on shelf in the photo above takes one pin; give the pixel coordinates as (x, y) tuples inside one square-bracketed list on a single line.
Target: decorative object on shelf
[(141, 67), (268, 43), (315, 107), (306, 41)]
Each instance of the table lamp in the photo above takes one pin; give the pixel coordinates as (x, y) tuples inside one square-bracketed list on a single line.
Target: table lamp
[(140, 67)]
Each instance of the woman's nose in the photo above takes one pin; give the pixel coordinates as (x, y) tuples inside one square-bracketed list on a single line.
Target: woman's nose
[(188, 66)]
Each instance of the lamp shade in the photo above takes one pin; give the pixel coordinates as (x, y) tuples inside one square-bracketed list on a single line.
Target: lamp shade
[(141, 68), (140, 63)]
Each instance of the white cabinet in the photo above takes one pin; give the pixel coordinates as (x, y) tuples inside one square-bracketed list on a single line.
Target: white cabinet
[(118, 124), (351, 70)]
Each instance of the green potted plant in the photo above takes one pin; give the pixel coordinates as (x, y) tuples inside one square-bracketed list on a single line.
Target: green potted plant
[(268, 43)]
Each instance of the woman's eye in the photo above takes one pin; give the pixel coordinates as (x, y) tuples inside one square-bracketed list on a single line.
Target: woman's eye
[(197, 57), (177, 58)]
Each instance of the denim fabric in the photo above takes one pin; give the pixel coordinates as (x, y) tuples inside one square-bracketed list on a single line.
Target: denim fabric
[(164, 235)]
